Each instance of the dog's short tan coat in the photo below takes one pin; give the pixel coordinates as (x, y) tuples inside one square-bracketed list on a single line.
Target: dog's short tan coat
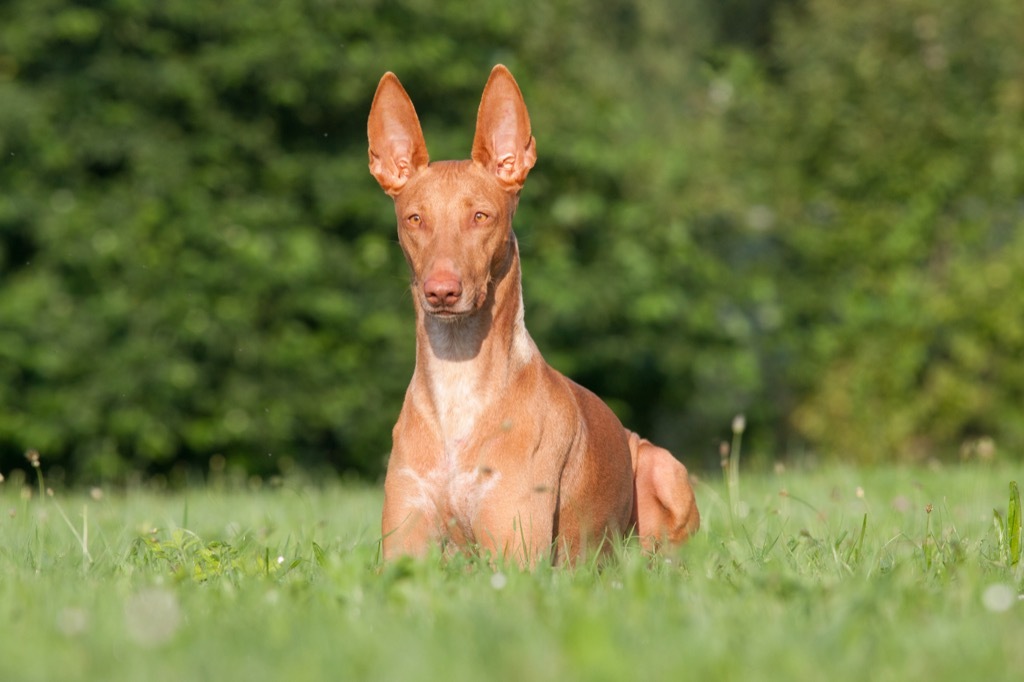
[(493, 448)]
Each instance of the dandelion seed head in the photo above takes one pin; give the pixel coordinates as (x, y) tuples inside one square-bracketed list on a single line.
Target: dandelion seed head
[(498, 581), (152, 616), (72, 621), (998, 598)]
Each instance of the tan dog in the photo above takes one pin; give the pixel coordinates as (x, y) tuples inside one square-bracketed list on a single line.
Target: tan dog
[(493, 448)]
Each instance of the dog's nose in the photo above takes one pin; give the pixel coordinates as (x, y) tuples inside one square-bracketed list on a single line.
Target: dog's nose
[(443, 289)]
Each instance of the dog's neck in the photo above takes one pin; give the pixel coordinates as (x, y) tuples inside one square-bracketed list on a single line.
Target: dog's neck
[(463, 364)]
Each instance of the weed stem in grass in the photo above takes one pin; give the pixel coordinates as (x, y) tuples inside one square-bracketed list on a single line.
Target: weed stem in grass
[(739, 425), (33, 458), (1013, 524), (83, 538)]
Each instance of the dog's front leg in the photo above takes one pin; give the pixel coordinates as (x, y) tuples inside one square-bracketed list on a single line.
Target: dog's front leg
[(409, 520), (517, 522)]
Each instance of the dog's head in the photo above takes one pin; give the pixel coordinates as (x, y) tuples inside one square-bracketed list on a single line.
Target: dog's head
[(454, 217)]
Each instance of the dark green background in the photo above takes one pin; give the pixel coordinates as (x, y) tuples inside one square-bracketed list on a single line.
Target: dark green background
[(811, 213)]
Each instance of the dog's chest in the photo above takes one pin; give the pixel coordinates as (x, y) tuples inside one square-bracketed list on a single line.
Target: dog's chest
[(454, 497), (453, 492), (457, 471)]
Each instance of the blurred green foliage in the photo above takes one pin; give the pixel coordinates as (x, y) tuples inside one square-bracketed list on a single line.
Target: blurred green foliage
[(815, 218)]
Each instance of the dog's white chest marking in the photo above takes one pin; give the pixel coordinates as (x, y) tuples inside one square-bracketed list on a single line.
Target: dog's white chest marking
[(453, 496), (453, 491)]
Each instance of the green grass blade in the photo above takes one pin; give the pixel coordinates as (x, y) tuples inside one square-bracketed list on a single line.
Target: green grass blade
[(284, 583), (319, 555), (1013, 521)]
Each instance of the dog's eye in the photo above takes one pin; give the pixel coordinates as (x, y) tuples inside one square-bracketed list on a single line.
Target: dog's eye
[(414, 220), (480, 217)]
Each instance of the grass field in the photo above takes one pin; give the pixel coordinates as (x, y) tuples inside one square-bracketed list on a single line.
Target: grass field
[(834, 574)]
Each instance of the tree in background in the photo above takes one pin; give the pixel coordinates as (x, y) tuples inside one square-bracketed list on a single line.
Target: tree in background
[(892, 155), (818, 225)]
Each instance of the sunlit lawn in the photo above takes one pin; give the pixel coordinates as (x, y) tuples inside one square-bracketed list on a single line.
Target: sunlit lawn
[(835, 574)]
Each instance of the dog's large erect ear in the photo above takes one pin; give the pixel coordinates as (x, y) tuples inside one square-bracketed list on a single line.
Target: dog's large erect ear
[(503, 143), (397, 149)]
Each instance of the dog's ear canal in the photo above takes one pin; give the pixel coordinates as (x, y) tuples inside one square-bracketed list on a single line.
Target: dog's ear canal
[(397, 148), (503, 143)]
